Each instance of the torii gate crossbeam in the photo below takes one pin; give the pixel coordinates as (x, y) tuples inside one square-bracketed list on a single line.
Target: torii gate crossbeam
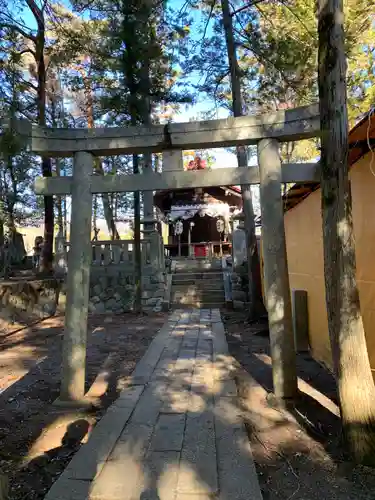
[(150, 181)]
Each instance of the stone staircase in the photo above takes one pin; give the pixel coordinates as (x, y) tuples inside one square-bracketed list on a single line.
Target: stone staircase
[(197, 283)]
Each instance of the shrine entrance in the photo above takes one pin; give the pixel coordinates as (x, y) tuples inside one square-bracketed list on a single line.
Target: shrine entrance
[(204, 216), (265, 131)]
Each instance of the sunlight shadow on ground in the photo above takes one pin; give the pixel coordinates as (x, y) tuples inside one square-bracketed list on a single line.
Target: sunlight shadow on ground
[(193, 390), (268, 424), (65, 428), (307, 388), (175, 430), (30, 383)]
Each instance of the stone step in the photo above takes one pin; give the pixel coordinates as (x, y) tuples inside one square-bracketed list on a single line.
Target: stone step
[(198, 287), (196, 278), (212, 296), (197, 260), (198, 304), (201, 272), (204, 269), (183, 277), (196, 265)]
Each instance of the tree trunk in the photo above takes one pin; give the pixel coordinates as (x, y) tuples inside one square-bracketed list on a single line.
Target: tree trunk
[(59, 203), (107, 208), (255, 283), (59, 207), (47, 253), (347, 336), (2, 239), (137, 244), (145, 114), (95, 216)]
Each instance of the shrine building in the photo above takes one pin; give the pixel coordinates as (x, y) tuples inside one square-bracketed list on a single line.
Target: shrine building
[(202, 214)]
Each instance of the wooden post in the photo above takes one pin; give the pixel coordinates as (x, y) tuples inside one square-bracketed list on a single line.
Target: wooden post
[(173, 161), (300, 320), (276, 278), (75, 334), (189, 240)]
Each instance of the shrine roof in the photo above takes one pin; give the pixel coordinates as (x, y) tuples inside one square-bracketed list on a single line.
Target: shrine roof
[(236, 190)]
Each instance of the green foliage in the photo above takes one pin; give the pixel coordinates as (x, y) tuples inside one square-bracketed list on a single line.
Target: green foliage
[(283, 44), (17, 168), (276, 44)]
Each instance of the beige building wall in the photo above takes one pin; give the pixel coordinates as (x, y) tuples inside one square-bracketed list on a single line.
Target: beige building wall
[(303, 226)]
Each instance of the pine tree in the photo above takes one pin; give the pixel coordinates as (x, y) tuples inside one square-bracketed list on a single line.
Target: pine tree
[(35, 44), (76, 51), (255, 282), (348, 343), (17, 167), (278, 43)]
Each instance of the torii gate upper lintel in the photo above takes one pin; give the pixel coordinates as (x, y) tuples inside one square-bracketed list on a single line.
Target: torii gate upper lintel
[(289, 125)]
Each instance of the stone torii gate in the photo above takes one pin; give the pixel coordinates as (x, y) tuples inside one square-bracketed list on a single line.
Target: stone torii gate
[(265, 131)]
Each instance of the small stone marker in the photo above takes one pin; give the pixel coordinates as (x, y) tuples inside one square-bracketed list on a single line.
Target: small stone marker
[(239, 247)]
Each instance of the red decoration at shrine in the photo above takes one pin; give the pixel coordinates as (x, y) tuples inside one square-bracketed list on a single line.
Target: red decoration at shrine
[(197, 164)]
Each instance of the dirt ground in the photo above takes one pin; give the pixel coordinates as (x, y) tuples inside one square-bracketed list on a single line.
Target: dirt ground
[(38, 439), (298, 453)]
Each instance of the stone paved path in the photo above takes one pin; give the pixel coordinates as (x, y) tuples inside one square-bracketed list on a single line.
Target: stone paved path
[(176, 432)]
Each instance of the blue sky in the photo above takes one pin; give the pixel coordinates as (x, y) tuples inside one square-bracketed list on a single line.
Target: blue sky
[(203, 104)]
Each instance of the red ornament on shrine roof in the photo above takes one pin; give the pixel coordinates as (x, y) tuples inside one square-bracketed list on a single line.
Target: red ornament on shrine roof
[(197, 164)]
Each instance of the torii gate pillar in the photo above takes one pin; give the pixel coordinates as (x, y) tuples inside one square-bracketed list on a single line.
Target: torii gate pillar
[(276, 277), (78, 282)]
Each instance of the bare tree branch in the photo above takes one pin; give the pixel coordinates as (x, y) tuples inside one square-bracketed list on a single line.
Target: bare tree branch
[(208, 20), (31, 85), (28, 51), (37, 12), (244, 7), (19, 30)]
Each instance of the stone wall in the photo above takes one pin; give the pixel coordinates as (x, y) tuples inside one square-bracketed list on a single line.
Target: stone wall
[(153, 291), (112, 290), (26, 301)]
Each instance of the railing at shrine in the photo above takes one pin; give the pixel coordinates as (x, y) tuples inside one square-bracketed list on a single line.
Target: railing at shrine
[(106, 253), (209, 249), (109, 253), (117, 252)]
